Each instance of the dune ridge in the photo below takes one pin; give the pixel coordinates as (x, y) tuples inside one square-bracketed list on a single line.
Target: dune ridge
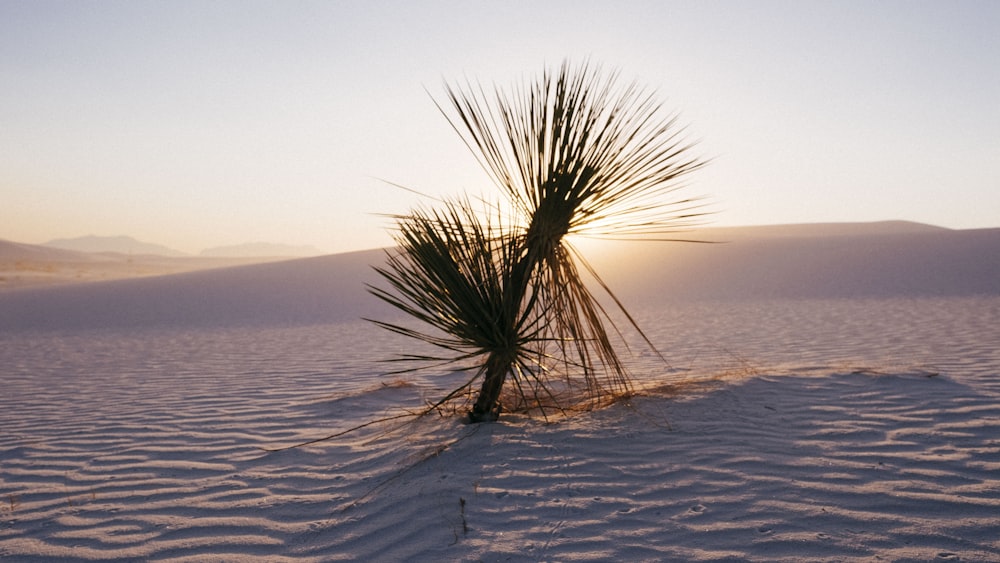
[(826, 261), (821, 261)]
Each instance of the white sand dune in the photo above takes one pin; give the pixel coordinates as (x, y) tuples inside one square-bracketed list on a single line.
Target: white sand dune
[(302, 291), (811, 261), (823, 427), (799, 261)]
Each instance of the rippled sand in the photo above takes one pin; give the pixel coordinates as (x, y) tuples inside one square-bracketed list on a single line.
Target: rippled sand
[(841, 430)]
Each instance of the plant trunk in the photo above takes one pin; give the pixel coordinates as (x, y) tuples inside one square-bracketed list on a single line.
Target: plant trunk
[(487, 407), (539, 243)]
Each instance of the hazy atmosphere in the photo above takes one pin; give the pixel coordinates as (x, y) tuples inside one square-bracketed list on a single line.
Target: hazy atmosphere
[(197, 125)]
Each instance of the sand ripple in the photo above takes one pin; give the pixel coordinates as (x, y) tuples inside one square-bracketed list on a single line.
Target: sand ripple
[(843, 467), (824, 445)]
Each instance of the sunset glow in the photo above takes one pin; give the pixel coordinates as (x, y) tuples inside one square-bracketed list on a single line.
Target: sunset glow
[(195, 125)]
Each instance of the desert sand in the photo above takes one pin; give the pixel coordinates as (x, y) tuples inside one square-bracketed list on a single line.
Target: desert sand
[(808, 411)]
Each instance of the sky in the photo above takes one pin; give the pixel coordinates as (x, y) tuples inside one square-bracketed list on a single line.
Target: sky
[(200, 124)]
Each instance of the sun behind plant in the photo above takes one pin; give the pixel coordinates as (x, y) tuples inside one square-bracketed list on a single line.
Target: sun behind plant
[(575, 152)]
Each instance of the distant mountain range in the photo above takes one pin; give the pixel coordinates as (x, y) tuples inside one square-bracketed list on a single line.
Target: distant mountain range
[(132, 246), (119, 244)]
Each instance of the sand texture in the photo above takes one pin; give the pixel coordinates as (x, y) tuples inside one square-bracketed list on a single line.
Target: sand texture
[(799, 428)]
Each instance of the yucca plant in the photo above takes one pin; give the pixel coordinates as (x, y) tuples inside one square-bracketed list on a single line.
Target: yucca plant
[(574, 153)]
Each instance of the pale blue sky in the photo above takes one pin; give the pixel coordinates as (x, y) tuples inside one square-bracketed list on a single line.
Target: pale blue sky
[(198, 124)]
